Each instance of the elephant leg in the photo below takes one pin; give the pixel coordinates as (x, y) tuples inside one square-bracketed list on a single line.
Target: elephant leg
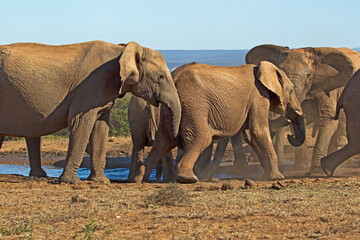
[(339, 139), (279, 144), (333, 145), (219, 154), (80, 129), (161, 146), (179, 155), (260, 141), (332, 161), (204, 160), (241, 166), (159, 168), (168, 167), (203, 163), (301, 158), (1, 140), (325, 133), (33, 146), (136, 160), (185, 167), (98, 140)]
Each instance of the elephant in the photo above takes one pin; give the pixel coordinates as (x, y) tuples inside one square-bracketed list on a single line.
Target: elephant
[(75, 86), (144, 122), (349, 101), (218, 102), (317, 73)]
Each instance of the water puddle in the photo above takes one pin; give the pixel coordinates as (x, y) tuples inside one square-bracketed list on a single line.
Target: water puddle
[(83, 173)]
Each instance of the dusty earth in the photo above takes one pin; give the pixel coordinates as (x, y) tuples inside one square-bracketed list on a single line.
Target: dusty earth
[(294, 208)]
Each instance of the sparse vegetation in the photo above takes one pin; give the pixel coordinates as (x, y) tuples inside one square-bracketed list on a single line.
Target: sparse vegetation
[(90, 228), (170, 195), (304, 208), (22, 231), (6, 231)]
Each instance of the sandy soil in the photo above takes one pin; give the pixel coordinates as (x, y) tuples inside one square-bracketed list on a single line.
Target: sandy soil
[(294, 208)]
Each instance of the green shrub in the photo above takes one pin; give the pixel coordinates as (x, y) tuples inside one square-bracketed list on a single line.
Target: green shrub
[(119, 124)]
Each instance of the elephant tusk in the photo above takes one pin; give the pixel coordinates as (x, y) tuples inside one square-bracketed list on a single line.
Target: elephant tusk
[(299, 113)]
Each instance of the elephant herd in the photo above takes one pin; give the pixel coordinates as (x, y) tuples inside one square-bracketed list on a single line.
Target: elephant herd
[(46, 88)]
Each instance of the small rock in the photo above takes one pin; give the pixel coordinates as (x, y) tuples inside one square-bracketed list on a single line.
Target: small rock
[(213, 188), (227, 186), (280, 184), (249, 183), (275, 186), (78, 198), (199, 188)]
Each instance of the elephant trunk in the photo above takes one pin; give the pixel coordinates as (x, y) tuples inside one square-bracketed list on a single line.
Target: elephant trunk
[(173, 107), (297, 122)]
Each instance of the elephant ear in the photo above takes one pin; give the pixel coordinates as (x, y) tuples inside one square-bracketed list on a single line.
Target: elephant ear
[(129, 62), (274, 80), (268, 52), (339, 67)]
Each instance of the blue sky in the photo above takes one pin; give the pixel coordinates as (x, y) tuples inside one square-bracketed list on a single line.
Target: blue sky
[(185, 24)]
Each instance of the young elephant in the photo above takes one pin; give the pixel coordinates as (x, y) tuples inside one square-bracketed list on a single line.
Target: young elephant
[(349, 101), (144, 122), (218, 102), (46, 88)]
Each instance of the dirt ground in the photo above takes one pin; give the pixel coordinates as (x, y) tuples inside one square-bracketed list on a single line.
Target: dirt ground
[(294, 208)]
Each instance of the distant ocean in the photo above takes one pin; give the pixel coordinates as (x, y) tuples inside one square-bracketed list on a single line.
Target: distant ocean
[(176, 58)]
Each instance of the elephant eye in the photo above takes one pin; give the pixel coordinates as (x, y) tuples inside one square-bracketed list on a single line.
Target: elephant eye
[(161, 76), (309, 75)]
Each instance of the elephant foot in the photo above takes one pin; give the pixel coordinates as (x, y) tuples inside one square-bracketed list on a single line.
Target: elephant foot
[(327, 167), (186, 176), (69, 178), (100, 178), (140, 175), (315, 172), (37, 173), (274, 175)]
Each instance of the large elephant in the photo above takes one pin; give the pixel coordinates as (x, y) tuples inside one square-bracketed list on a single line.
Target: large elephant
[(316, 73), (349, 101), (218, 102), (144, 122), (46, 88)]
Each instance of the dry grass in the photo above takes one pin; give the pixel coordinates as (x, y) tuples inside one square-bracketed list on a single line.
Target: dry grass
[(306, 208)]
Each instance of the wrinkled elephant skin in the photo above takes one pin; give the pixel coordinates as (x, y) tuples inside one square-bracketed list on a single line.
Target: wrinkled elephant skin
[(218, 102), (75, 86)]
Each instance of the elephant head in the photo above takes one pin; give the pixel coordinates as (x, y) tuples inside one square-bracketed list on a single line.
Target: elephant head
[(144, 73), (313, 71), (282, 98)]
